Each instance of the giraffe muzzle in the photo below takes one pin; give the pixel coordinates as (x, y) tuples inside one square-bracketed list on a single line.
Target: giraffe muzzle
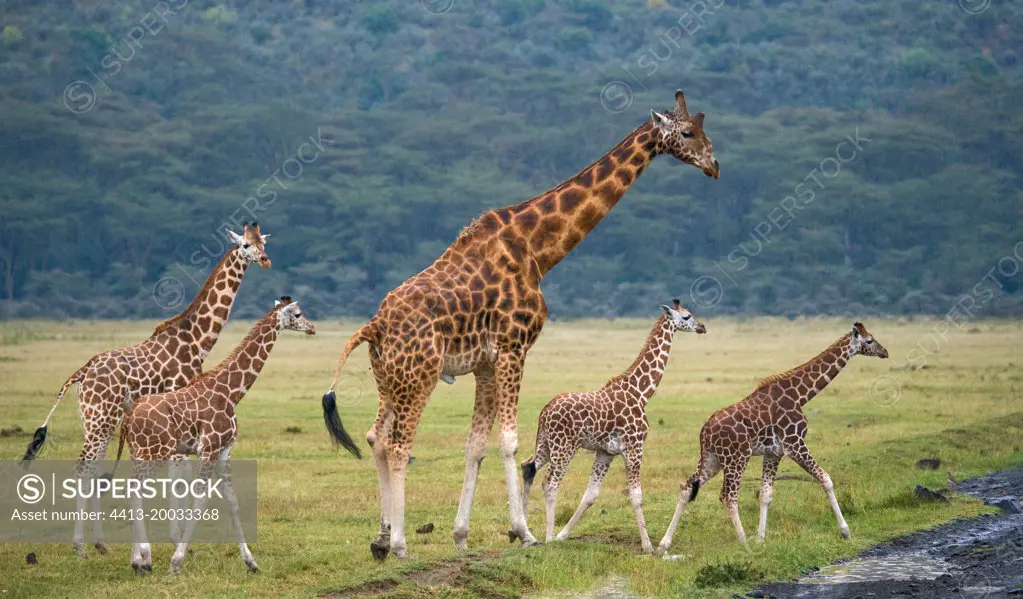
[(714, 170), (264, 261), (701, 329)]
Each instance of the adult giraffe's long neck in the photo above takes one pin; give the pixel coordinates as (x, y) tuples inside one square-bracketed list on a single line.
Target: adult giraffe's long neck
[(239, 370), (823, 369), (646, 371), (556, 221), (205, 316)]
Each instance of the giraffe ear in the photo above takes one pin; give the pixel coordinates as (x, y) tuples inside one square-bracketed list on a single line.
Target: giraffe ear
[(666, 310), (698, 119), (264, 237), (234, 237), (663, 123), (856, 330)]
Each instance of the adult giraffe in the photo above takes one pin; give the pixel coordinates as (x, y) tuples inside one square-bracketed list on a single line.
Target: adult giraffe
[(479, 309)]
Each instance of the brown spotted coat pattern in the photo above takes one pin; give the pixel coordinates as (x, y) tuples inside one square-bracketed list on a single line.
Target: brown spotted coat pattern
[(770, 423), (479, 308)]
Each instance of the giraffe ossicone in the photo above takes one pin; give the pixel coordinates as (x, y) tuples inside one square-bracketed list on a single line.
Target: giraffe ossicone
[(610, 421), (479, 309), (199, 419), (167, 360), (770, 422)]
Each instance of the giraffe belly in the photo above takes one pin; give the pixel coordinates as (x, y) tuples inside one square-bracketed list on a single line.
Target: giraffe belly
[(459, 365), (768, 446), (607, 442)]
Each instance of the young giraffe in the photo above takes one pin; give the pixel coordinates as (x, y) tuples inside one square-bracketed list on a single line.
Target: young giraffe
[(479, 309), (610, 421), (172, 355), (200, 419), (770, 422)]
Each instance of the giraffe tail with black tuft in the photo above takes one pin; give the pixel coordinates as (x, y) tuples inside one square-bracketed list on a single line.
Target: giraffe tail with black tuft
[(331, 418), (39, 437)]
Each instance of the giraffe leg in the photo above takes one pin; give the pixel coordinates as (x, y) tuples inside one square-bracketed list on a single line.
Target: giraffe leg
[(730, 492), (410, 397), (550, 494), (179, 469), (224, 470), (766, 492), (708, 468), (141, 556), (601, 463), (484, 411), (378, 438), (509, 377), (207, 467), (633, 464), (801, 455), (98, 432)]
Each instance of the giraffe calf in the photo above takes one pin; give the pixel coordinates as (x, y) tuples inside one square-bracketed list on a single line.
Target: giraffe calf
[(770, 422), (200, 419), (610, 422)]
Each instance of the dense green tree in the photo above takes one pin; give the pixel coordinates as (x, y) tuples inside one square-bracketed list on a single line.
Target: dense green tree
[(364, 136)]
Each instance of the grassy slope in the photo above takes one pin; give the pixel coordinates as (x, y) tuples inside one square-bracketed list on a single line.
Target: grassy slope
[(318, 509)]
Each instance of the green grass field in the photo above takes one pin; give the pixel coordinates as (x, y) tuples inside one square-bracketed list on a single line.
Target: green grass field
[(318, 508)]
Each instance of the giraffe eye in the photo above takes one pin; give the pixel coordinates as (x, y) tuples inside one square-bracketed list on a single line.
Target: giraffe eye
[(247, 246), (687, 134), (685, 317), (298, 315), (869, 341)]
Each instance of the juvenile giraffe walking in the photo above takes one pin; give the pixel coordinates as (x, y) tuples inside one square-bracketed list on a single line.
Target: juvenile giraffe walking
[(610, 422), (770, 422), (172, 355), (479, 309), (199, 419)]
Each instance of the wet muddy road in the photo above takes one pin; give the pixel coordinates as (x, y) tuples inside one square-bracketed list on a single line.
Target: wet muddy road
[(966, 559)]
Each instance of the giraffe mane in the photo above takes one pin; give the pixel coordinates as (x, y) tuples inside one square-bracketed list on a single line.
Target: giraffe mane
[(196, 301), (774, 378), (469, 229), (257, 330), (639, 358), (628, 141)]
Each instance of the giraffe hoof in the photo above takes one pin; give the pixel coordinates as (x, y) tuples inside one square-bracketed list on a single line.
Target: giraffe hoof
[(253, 569), (102, 548), (80, 550), (379, 550), (844, 532), (533, 543), (512, 536)]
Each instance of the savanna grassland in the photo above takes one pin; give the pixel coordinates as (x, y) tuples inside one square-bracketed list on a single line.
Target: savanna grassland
[(318, 508)]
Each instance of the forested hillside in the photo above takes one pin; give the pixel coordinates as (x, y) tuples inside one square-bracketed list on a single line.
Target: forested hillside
[(364, 135)]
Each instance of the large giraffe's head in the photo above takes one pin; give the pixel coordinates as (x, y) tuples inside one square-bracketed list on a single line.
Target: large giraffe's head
[(251, 244), (865, 344), (683, 137), (291, 318), (681, 320)]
